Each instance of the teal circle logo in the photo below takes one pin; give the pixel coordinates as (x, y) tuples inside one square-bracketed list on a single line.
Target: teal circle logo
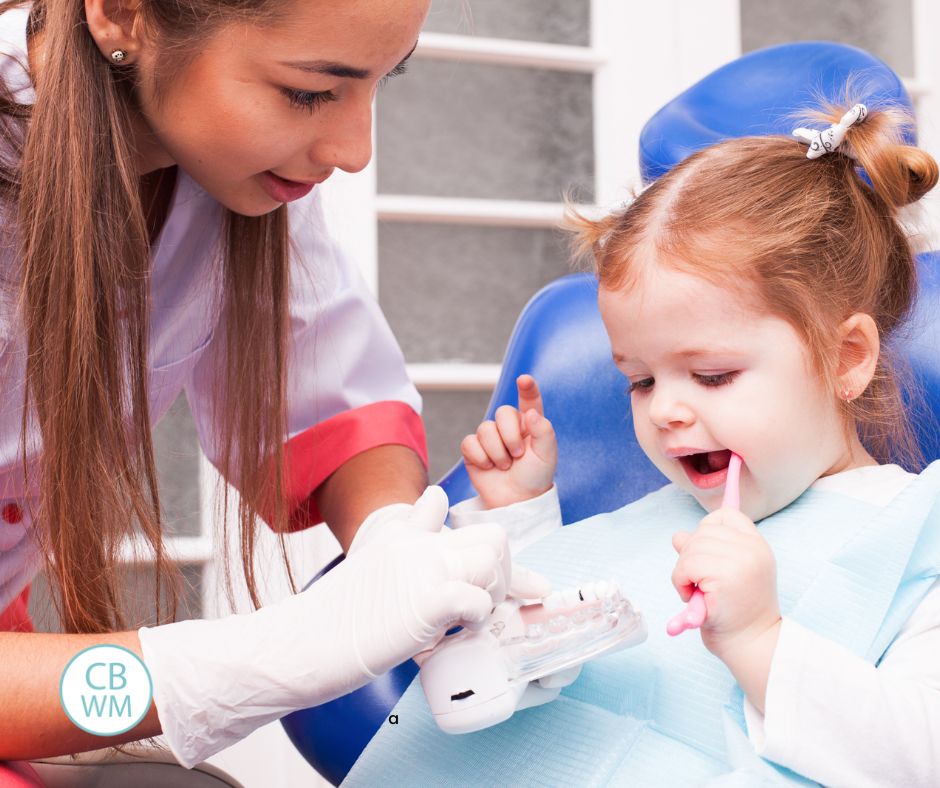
[(106, 690)]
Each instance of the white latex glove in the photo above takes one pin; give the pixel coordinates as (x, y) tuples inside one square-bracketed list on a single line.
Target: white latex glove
[(217, 681), (385, 525), (547, 688)]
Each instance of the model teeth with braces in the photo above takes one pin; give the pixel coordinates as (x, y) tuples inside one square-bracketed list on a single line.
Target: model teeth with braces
[(524, 654)]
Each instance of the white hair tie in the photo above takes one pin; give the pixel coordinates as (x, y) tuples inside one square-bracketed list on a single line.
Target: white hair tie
[(828, 140)]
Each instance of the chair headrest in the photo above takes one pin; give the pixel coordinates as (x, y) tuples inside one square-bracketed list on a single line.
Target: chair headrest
[(759, 94)]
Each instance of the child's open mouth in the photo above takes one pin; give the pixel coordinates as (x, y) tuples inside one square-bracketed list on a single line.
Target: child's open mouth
[(708, 469)]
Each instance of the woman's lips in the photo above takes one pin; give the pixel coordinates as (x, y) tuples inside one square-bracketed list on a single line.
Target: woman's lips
[(283, 190)]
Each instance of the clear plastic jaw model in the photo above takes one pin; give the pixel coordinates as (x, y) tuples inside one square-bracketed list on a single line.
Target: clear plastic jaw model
[(566, 629), (524, 654)]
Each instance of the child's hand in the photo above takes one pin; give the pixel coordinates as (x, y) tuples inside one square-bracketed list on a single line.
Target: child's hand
[(513, 458), (732, 564)]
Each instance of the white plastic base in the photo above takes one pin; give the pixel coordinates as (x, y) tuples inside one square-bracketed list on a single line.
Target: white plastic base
[(524, 655)]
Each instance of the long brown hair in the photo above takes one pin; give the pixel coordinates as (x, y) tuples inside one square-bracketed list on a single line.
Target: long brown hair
[(85, 257), (811, 239)]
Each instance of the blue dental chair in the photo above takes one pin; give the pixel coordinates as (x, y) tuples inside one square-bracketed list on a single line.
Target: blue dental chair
[(559, 339)]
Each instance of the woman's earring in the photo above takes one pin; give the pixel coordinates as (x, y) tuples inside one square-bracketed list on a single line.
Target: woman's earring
[(118, 56), (846, 394)]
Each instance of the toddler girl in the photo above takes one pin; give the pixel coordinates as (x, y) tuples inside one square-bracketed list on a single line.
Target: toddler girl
[(751, 297)]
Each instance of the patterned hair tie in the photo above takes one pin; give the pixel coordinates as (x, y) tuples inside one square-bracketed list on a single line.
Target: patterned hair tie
[(828, 140)]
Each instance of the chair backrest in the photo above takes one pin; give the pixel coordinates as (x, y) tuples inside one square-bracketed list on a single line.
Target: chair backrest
[(921, 349), (763, 93)]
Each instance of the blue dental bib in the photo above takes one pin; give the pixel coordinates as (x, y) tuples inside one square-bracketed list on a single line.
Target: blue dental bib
[(667, 712)]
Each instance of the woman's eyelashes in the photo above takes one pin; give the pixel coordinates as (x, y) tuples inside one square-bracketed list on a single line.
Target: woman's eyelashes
[(400, 69), (712, 380), (310, 101), (307, 100)]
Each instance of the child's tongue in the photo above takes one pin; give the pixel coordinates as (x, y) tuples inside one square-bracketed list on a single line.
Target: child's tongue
[(714, 461)]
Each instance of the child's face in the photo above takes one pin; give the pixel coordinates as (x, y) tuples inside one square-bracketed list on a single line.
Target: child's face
[(709, 373), (292, 99)]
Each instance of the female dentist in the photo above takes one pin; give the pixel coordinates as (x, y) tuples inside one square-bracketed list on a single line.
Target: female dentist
[(161, 232)]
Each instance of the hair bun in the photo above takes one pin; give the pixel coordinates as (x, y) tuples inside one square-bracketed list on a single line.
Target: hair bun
[(922, 171), (899, 173)]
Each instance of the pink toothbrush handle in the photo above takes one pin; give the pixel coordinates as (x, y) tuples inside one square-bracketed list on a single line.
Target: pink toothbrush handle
[(732, 499), (695, 611), (691, 618)]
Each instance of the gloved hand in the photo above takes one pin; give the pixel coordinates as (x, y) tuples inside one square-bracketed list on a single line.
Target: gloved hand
[(547, 688), (387, 524), (217, 681)]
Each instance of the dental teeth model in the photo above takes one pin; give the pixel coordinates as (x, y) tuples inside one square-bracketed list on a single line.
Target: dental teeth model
[(524, 654)]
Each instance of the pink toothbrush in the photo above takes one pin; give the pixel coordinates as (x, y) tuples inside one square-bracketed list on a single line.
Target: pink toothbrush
[(695, 612)]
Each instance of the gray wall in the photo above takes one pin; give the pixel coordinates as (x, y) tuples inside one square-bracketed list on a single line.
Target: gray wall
[(499, 132), (883, 27), (548, 21), (452, 293)]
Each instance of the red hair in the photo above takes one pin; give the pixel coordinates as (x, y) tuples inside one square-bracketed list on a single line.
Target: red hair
[(809, 241)]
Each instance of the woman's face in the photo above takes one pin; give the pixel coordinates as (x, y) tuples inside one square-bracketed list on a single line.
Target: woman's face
[(263, 113)]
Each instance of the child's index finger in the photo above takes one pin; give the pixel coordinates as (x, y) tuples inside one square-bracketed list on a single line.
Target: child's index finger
[(530, 398)]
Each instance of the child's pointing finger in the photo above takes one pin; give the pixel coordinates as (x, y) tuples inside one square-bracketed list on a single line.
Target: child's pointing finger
[(530, 398)]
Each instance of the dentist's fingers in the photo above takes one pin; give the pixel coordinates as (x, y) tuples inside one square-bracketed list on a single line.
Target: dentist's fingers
[(492, 443), (528, 584), (542, 435), (479, 555), (477, 564), (530, 398), (430, 510), (509, 424), (456, 601)]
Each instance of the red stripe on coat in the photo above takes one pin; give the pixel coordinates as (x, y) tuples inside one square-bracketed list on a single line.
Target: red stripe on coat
[(313, 455), (16, 617)]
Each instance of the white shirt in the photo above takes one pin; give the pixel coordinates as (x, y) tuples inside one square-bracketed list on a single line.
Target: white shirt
[(829, 715), (342, 354)]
